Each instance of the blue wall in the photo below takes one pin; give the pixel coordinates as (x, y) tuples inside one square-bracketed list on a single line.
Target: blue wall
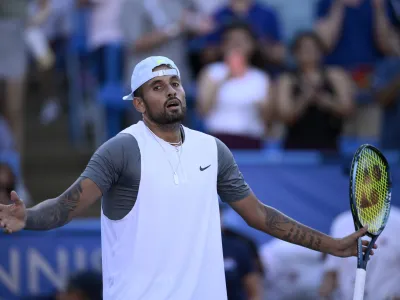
[(309, 190)]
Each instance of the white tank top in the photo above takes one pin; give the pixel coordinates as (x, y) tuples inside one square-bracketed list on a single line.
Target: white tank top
[(169, 245), (237, 105)]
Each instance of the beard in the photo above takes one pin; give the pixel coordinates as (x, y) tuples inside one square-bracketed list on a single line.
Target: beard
[(165, 117)]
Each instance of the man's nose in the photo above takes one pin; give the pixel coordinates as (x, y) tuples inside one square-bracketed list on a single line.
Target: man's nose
[(171, 92)]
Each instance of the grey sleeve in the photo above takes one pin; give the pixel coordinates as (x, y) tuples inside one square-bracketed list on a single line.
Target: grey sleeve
[(109, 161), (231, 185)]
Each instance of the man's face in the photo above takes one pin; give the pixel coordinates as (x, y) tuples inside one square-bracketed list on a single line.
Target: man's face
[(164, 100), (7, 184)]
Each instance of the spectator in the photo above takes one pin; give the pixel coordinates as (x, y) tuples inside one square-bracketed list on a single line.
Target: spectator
[(233, 94), (356, 35), (13, 62), (295, 16), (243, 281), (386, 84), (86, 285), (7, 183), (264, 22), (354, 32), (10, 170), (313, 101), (9, 159), (104, 27), (106, 53), (57, 29), (104, 30), (292, 272), (252, 246), (207, 7), (160, 27), (7, 143), (383, 277)]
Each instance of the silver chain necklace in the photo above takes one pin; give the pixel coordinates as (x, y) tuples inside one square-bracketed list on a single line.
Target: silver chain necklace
[(176, 145)]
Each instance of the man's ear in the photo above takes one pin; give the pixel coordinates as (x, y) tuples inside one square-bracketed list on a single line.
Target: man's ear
[(139, 105)]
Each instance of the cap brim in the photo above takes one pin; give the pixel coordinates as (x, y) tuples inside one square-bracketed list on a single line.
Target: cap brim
[(128, 97)]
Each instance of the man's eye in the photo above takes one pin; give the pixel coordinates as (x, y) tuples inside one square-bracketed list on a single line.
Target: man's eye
[(176, 84), (156, 88)]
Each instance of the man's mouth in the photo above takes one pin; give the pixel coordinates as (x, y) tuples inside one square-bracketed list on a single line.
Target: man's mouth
[(173, 103)]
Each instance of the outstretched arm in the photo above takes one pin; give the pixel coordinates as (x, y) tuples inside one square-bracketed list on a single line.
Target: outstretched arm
[(234, 190), (275, 223), (102, 172), (59, 211)]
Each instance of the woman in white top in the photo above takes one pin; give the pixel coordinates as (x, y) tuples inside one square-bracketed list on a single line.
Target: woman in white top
[(233, 94)]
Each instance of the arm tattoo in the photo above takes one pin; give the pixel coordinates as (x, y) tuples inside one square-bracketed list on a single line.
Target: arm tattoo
[(54, 213), (285, 228)]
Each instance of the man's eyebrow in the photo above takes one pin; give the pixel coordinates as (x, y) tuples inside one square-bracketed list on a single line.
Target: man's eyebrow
[(155, 82), (175, 77)]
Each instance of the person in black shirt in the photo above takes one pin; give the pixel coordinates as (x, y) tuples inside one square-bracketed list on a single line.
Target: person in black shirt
[(242, 271), (313, 101)]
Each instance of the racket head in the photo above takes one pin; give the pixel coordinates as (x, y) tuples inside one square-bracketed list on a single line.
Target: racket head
[(370, 189)]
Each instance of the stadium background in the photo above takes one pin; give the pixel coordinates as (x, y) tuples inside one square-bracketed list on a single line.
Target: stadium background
[(311, 186)]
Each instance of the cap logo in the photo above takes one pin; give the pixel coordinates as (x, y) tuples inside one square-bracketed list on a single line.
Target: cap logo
[(160, 61)]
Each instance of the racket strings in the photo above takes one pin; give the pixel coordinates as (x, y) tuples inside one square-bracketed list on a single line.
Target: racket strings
[(371, 190)]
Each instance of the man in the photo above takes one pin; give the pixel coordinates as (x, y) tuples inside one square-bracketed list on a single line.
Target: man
[(160, 181), (292, 272), (264, 22), (356, 35), (7, 183), (161, 27), (7, 143), (386, 85), (86, 285), (243, 279), (354, 32), (383, 276), (13, 61)]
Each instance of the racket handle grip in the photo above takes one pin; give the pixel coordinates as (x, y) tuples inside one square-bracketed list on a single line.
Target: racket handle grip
[(359, 284)]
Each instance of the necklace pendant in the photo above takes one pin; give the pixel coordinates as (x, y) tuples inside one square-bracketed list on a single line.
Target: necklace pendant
[(176, 179)]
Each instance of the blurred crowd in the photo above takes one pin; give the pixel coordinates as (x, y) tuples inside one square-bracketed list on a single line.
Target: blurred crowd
[(258, 74)]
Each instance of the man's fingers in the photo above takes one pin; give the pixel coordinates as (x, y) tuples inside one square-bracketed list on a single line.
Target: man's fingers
[(366, 243), (361, 232), (15, 198)]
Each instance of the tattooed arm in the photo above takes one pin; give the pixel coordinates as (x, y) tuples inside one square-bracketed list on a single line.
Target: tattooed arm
[(275, 223), (59, 211)]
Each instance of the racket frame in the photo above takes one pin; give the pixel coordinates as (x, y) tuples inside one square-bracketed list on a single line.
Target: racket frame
[(362, 259)]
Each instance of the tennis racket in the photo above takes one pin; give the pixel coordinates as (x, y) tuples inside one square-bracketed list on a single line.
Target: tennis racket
[(370, 195)]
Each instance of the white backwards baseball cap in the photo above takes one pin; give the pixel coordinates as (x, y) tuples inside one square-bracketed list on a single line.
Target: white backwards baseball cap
[(143, 72)]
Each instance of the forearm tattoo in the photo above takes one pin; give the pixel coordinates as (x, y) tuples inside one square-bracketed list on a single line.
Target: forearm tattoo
[(54, 213), (285, 228)]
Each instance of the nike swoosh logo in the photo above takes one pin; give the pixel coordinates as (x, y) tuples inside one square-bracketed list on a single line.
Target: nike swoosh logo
[(202, 169)]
